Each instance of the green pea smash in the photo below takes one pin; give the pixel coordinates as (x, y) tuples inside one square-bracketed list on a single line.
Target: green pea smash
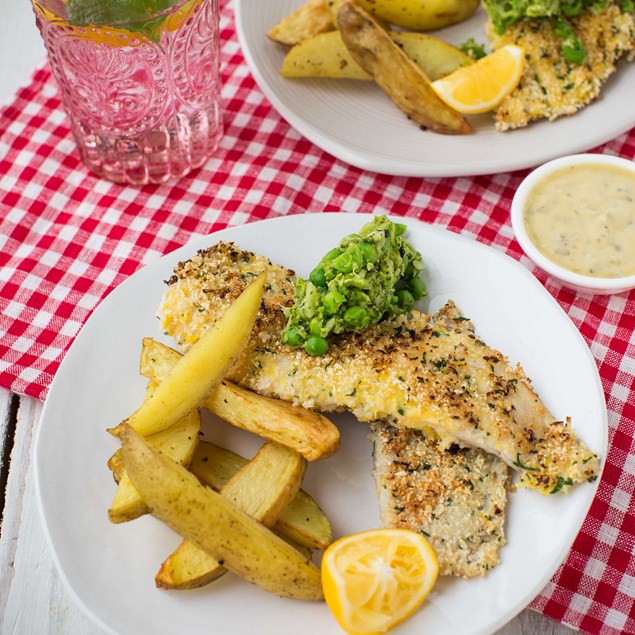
[(506, 12), (369, 277)]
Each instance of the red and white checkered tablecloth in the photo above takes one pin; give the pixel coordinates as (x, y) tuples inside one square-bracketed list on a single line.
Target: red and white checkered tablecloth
[(68, 238)]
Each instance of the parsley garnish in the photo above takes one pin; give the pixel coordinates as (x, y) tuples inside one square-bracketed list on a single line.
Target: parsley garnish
[(519, 464), (560, 484)]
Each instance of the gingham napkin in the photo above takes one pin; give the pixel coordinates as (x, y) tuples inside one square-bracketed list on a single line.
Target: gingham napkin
[(68, 238)]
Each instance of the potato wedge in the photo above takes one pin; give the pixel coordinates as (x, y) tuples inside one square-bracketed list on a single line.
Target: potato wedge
[(398, 76), (309, 433), (177, 442), (302, 522), (266, 485), (325, 55), (188, 567), (198, 372), (432, 55), (415, 15), (115, 465), (262, 488), (215, 525), (334, 7), (310, 19)]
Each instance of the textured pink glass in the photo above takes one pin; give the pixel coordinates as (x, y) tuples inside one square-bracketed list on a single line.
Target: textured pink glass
[(141, 111)]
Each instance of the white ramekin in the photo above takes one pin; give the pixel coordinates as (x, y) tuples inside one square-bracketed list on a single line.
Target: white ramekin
[(576, 281)]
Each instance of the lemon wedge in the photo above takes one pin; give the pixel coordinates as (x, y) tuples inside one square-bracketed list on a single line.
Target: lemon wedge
[(375, 579), (482, 86)]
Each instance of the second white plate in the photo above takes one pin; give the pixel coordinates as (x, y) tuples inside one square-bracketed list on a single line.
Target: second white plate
[(358, 124)]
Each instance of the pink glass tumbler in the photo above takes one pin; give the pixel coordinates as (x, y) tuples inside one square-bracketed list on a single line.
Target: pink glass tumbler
[(143, 108)]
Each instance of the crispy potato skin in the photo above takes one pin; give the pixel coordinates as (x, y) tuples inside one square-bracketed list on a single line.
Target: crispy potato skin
[(325, 55), (215, 525), (398, 76), (178, 442)]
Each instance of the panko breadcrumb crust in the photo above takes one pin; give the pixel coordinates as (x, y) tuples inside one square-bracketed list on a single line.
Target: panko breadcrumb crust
[(552, 87), (456, 498), (430, 372)]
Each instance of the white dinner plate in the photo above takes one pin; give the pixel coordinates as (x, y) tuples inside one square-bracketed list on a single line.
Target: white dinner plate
[(110, 568), (355, 121)]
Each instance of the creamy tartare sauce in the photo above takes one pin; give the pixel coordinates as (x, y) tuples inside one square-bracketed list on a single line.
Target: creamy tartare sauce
[(582, 217)]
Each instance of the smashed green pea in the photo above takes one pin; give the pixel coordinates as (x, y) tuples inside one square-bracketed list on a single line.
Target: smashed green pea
[(369, 277)]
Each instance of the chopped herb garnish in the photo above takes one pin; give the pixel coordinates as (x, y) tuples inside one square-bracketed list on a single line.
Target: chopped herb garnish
[(519, 464), (560, 484), (473, 48)]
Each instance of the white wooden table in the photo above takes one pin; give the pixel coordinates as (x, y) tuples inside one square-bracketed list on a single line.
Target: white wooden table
[(33, 600)]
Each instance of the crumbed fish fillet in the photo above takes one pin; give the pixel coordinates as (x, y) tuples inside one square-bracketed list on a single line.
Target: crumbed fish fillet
[(550, 86), (456, 498), (429, 372)]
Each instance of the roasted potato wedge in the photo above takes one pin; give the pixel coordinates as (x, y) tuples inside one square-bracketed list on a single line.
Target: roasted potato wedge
[(262, 488), (416, 15), (398, 76), (302, 522), (305, 551), (309, 433), (215, 525), (266, 485), (115, 465), (325, 55), (177, 442), (188, 567), (334, 7), (201, 369), (432, 55), (310, 19)]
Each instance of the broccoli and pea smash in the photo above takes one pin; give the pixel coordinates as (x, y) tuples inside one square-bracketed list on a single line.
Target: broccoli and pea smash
[(369, 277), (507, 12)]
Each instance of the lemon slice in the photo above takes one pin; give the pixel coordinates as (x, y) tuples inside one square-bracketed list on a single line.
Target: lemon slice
[(482, 86), (375, 579), (124, 35), (115, 37)]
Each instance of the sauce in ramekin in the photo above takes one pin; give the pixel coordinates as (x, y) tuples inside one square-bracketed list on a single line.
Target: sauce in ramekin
[(582, 217)]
